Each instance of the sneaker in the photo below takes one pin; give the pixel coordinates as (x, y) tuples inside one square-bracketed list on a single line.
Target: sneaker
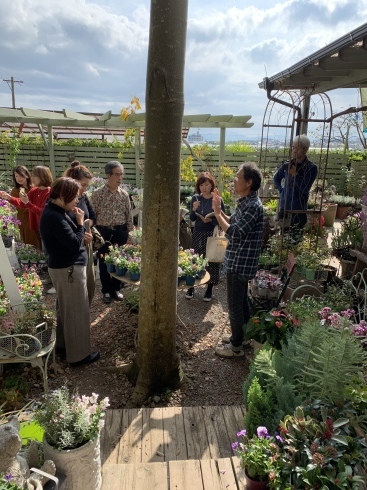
[(190, 293), (106, 298), (227, 351), (51, 291), (226, 339), (118, 296)]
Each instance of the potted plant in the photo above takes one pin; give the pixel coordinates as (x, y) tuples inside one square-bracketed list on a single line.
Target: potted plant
[(72, 426), (320, 451), (36, 320), (8, 223), (259, 457), (135, 236), (270, 326), (134, 268), (345, 203), (121, 264)]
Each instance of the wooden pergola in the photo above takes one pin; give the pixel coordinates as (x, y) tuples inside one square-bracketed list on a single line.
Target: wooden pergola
[(51, 123)]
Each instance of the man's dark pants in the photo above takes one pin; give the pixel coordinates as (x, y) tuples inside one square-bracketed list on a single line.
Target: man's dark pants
[(113, 236), (238, 306)]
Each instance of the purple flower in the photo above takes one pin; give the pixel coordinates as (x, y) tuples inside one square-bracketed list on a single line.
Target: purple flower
[(263, 432), (242, 433), (278, 438), (234, 445)]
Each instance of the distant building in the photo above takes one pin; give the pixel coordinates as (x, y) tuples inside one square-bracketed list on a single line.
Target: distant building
[(195, 138)]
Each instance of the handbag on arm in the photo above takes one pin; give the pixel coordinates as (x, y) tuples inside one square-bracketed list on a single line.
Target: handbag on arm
[(216, 246)]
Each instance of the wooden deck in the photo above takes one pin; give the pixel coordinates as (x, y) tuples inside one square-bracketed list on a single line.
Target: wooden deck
[(180, 448)]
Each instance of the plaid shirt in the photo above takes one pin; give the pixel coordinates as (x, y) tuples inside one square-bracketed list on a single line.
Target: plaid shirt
[(245, 235)]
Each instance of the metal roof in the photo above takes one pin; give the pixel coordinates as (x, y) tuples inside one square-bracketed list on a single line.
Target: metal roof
[(341, 64)]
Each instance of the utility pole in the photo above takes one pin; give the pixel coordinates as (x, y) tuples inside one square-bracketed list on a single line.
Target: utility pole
[(11, 86)]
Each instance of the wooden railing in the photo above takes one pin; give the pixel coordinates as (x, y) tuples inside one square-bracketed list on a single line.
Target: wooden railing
[(95, 159)]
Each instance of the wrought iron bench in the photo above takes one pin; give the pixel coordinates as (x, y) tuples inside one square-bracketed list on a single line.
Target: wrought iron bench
[(34, 349)]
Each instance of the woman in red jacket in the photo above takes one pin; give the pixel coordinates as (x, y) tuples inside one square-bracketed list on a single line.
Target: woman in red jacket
[(36, 198), (23, 184)]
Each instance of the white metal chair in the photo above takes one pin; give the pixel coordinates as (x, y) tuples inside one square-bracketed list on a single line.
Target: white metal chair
[(34, 349)]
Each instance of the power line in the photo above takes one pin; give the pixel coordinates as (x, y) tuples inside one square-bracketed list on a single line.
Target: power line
[(11, 83)]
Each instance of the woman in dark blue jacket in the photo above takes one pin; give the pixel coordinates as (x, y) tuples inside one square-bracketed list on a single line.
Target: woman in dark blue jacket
[(67, 260)]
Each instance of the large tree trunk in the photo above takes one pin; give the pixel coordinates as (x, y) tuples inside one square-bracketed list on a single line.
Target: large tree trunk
[(157, 364)]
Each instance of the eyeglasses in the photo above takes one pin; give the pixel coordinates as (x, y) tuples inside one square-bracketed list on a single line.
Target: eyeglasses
[(117, 175)]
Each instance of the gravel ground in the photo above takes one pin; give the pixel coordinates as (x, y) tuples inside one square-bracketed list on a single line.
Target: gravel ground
[(209, 380)]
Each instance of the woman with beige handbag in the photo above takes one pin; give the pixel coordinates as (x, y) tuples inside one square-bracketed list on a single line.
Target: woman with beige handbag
[(201, 213)]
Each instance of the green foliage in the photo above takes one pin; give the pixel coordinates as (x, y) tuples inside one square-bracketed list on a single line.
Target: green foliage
[(304, 308), (260, 408), (240, 147), (14, 149), (338, 298), (350, 183), (320, 450), (327, 359), (259, 456), (131, 299), (69, 421), (269, 326), (187, 170), (6, 483), (275, 378)]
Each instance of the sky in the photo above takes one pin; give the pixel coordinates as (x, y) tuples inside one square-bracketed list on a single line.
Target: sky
[(91, 55)]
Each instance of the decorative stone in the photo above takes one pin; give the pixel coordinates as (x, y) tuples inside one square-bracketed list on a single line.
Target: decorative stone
[(17, 464)]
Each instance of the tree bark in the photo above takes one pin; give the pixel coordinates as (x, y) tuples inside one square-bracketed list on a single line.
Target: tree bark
[(157, 364)]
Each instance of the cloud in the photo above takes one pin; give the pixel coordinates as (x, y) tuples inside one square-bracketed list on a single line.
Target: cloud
[(92, 55)]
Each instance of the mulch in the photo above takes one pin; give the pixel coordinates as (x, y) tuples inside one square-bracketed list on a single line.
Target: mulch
[(208, 379)]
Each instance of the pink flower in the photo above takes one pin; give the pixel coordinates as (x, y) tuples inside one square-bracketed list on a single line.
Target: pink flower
[(278, 324), (276, 313)]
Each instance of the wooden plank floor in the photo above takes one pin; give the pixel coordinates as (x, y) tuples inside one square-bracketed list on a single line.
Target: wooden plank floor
[(181, 448)]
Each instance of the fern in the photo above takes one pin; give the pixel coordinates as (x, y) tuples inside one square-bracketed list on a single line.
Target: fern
[(307, 339), (336, 361)]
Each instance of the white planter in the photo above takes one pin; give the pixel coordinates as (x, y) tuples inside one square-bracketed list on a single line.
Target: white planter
[(81, 466)]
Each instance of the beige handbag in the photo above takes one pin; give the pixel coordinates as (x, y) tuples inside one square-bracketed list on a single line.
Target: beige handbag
[(216, 246)]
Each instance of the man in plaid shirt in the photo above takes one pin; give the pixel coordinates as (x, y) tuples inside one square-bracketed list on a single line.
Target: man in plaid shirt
[(244, 230)]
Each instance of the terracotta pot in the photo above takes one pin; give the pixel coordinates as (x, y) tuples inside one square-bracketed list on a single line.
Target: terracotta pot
[(342, 211), (255, 485), (329, 214)]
